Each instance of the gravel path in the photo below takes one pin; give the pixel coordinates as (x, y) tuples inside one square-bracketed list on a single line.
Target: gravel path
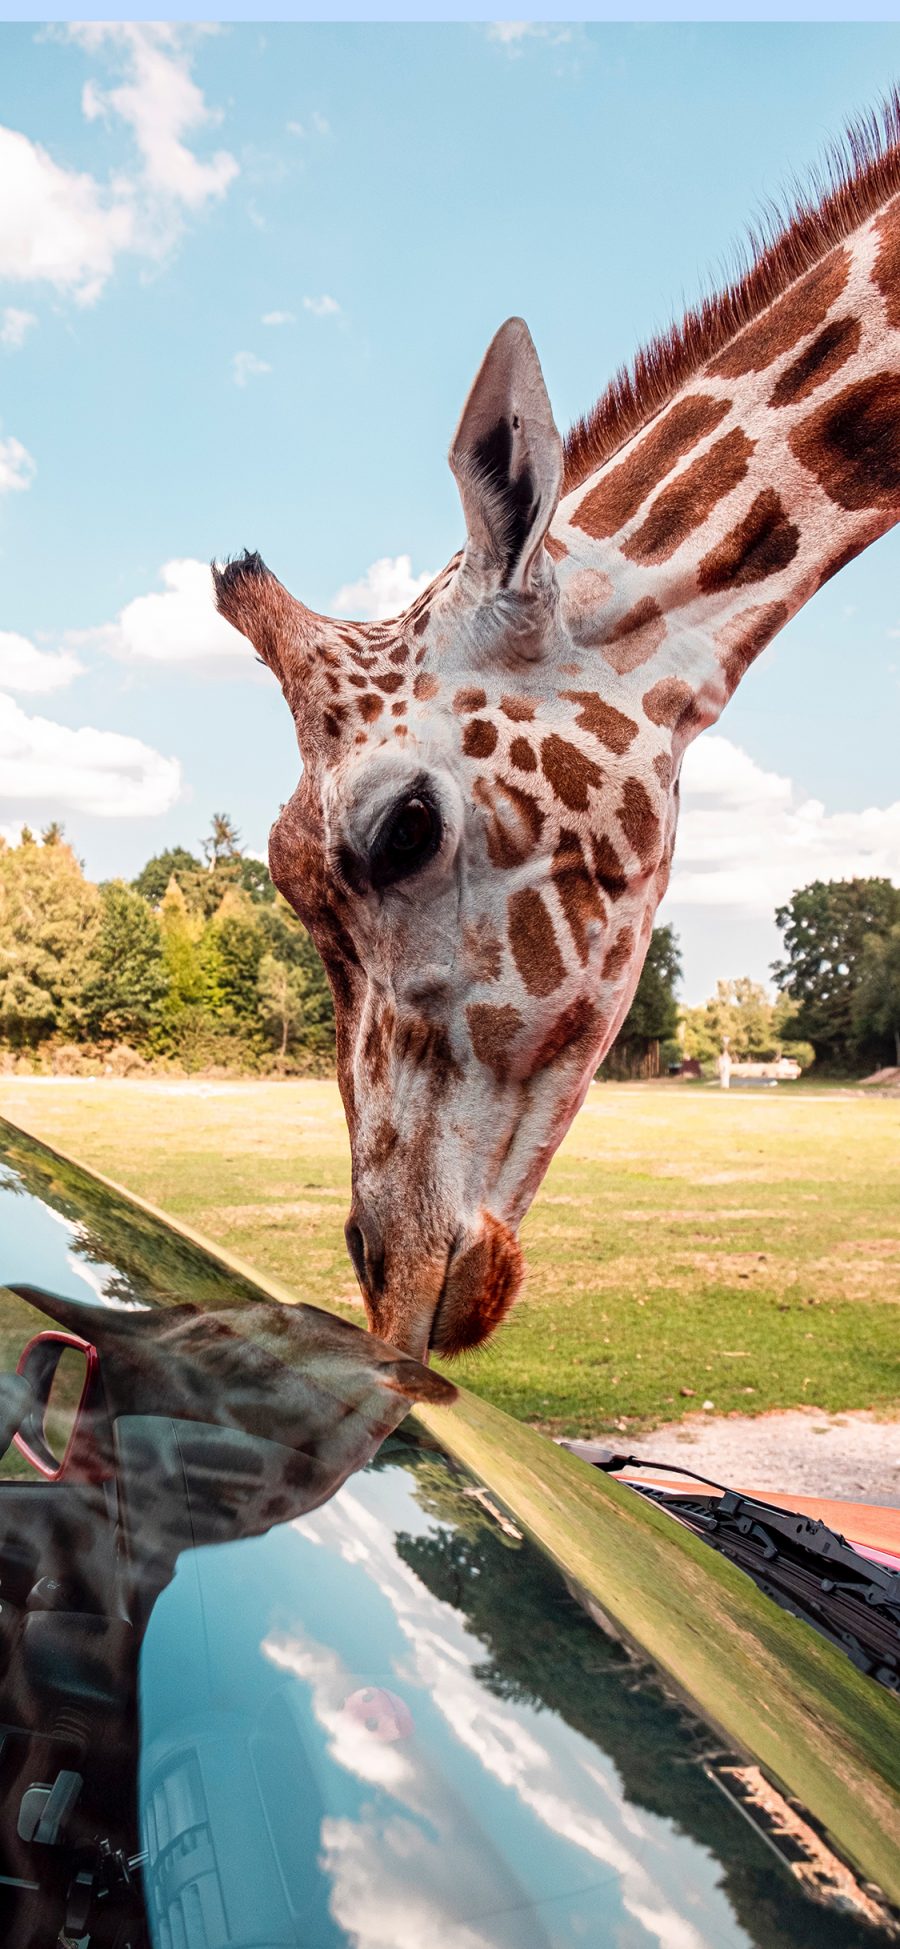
[(854, 1457)]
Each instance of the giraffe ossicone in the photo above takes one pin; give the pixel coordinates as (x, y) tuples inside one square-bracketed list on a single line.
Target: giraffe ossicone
[(485, 820)]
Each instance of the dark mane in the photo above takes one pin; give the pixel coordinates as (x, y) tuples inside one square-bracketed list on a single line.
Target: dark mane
[(859, 175)]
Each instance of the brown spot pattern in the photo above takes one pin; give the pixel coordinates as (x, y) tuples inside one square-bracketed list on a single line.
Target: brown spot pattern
[(640, 823), (370, 707), (668, 701), (390, 682), (618, 494), (576, 1025), (515, 822), (377, 1045), (426, 1045), (760, 545), (689, 500), (557, 550), (470, 698), (426, 685), (618, 954), (520, 709), (635, 637), (662, 765), (825, 356), (603, 721), (852, 444), (522, 755), (803, 309), (569, 772), (533, 943), (742, 639), (578, 895), (492, 1030), (479, 738), (886, 274), (608, 869), (383, 1145)]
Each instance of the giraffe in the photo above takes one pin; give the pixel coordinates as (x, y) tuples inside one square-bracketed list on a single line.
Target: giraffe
[(485, 819)]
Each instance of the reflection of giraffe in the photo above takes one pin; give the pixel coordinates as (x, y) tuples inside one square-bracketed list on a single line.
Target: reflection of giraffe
[(486, 816)]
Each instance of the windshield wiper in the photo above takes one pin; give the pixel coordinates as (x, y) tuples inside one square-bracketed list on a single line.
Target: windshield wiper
[(807, 1568), (798, 1561)]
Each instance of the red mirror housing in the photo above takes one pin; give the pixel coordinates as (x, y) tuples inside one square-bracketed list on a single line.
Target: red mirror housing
[(52, 1435)]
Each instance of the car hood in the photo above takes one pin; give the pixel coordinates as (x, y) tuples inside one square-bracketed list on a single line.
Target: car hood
[(475, 1635)]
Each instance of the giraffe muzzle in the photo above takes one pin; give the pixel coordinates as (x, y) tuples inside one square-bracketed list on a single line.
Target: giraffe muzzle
[(483, 1277)]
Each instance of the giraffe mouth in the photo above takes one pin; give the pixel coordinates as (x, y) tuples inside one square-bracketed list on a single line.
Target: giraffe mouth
[(482, 1279)]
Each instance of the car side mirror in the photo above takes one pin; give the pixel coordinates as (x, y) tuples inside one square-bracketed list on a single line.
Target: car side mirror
[(60, 1370)]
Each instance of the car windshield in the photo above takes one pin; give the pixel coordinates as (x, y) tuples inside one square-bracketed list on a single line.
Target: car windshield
[(280, 1670)]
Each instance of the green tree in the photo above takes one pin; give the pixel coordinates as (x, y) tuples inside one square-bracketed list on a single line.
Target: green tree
[(127, 980), (49, 920), (223, 840), (180, 933), (825, 928), (281, 991), (756, 1028), (236, 944), (653, 1015), (288, 940), (876, 1001), (254, 878), (153, 879)]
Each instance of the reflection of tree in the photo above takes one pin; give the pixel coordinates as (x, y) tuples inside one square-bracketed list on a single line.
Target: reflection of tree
[(543, 1650), (143, 1261)]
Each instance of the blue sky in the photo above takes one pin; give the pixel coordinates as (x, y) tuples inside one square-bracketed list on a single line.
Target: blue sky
[(388, 195)]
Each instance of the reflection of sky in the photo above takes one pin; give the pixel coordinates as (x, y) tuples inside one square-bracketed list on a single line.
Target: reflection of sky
[(494, 1825), (37, 1248)]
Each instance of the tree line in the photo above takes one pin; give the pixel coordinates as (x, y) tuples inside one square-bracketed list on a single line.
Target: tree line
[(200, 961), (838, 983)]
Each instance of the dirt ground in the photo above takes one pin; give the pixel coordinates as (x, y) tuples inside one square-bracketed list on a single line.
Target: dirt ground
[(851, 1456)]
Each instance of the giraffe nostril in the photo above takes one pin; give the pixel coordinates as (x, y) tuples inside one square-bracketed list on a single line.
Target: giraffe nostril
[(356, 1246), (366, 1249)]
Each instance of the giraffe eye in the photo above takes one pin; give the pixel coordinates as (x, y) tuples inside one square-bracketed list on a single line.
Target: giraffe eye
[(407, 841)]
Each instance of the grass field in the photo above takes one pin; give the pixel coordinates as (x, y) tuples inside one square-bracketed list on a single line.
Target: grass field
[(686, 1247)]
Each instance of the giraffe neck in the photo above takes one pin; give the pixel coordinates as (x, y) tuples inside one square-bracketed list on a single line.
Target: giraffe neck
[(773, 464)]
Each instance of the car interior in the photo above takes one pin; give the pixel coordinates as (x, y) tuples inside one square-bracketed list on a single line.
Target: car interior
[(126, 1438)]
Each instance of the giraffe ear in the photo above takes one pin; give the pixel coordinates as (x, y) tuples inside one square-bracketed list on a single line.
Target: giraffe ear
[(508, 460)]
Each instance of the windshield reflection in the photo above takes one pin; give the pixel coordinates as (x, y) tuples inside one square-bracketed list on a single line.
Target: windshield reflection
[(296, 1677)]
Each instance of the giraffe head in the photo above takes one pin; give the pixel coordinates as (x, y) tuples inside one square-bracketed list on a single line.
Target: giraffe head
[(478, 843)]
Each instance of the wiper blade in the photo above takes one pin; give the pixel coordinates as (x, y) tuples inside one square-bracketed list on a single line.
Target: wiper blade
[(805, 1567)]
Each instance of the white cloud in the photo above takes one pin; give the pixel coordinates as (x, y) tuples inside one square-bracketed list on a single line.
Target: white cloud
[(386, 588), (511, 33), (85, 770), (323, 307), (161, 103), (278, 318), (24, 667), (246, 366), (58, 225), (15, 325), (748, 838), (65, 227), (319, 124), (17, 469), (177, 624)]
